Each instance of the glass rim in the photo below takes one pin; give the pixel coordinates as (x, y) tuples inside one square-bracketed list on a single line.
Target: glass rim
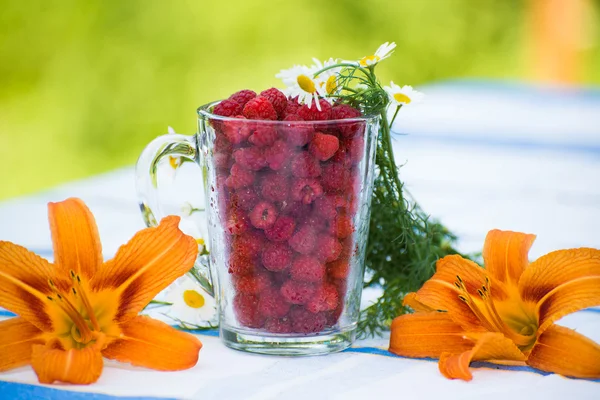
[(203, 111)]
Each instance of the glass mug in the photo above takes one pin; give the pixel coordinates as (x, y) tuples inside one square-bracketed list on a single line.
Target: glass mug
[(287, 224)]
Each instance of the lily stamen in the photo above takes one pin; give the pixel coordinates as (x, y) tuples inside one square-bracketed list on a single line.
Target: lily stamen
[(69, 309), (85, 301)]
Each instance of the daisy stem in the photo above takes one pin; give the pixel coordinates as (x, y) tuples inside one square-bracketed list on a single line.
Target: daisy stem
[(349, 65), (395, 115)]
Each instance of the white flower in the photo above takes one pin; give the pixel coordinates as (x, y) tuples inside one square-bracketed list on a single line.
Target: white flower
[(402, 95), (383, 52), (190, 303), (327, 80), (299, 81)]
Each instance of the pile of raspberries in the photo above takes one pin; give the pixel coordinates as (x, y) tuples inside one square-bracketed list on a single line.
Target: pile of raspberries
[(287, 193)]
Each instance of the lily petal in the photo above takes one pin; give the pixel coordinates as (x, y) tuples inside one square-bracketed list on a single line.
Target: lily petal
[(70, 366), (429, 334), (75, 238), (24, 279), (410, 300), (147, 264), (566, 352), (153, 344), (489, 346), (562, 282), (505, 254), (16, 340)]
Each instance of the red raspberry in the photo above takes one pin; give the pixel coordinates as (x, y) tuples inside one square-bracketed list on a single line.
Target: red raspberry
[(344, 111), (347, 129), (276, 256), (281, 230), (292, 106), (278, 155), (222, 161), (274, 187), (264, 135), (325, 207), (244, 198), (348, 248), (222, 144), (323, 146), (339, 268), (316, 222), (240, 266), (325, 299), (297, 292), (278, 325), (259, 108), (227, 108), (263, 215), (252, 284), (249, 244), (277, 99), (307, 269), (335, 177), (304, 240), (296, 209), (342, 226), (237, 223), (304, 321), (327, 248), (272, 304), (313, 113), (306, 190), (296, 133), (237, 130), (245, 307), (242, 97), (251, 158), (356, 148), (342, 155), (305, 166), (239, 177)]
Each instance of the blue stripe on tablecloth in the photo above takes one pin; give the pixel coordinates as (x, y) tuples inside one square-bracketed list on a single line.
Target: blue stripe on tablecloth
[(24, 391)]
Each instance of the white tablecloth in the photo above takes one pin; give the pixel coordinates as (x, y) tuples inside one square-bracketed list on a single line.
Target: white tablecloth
[(478, 156)]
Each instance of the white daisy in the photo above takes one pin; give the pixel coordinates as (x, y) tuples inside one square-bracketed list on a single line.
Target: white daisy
[(402, 95), (299, 81), (383, 52), (327, 80), (190, 303)]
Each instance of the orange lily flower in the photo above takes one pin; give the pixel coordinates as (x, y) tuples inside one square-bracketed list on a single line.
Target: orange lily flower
[(504, 313), (79, 309)]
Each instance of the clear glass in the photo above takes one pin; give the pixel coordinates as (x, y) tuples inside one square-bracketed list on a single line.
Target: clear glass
[(288, 217)]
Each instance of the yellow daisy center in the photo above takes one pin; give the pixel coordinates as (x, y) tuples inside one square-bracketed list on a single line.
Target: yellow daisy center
[(193, 299), (306, 84), (401, 98), (331, 84), (365, 60), (174, 162)]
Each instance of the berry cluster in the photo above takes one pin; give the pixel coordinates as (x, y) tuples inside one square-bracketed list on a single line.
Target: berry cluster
[(288, 194)]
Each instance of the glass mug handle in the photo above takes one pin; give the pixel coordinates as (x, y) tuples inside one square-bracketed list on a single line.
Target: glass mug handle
[(171, 146)]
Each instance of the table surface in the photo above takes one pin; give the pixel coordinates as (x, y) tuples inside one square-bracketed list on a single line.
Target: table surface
[(476, 155)]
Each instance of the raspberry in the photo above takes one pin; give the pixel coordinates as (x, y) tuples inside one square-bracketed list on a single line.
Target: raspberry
[(237, 130), (347, 129), (304, 240), (325, 299), (248, 244), (305, 166), (276, 256), (316, 222), (339, 268), (313, 113), (251, 158), (281, 230), (304, 321), (342, 226), (237, 223), (335, 177), (327, 248), (274, 187), (307, 269), (259, 108), (244, 198), (252, 284), (264, 135), (344, 111), (240, 266), (272, 304), (325, 207), (296, 209), (334, 315), (278, 155), (292, 106), (296, 133), (222, 144), (323, 146), (242, 97), (356, 148), (306, 190), (245, 307), (263, 215), (277, 99), (227, 108), (297, 292), (239, 177), (342, 155), (222, 161), (278, 325)]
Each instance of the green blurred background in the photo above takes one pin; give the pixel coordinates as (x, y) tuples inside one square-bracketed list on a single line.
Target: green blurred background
[(84, 85)]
